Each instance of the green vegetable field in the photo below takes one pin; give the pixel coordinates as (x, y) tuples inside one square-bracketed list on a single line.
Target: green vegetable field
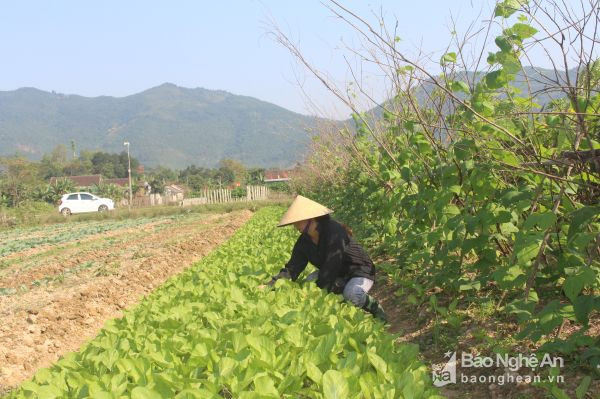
[(211, 332), (20, 239), (469, 173)]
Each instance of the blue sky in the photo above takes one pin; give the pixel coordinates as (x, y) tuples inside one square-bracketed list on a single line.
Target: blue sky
[(119, 48)]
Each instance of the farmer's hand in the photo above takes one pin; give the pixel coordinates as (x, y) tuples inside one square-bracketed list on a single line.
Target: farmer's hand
[(269, 284)]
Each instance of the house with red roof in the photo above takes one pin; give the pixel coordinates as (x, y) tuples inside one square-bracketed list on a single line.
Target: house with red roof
[(80, 181), (273, 176), (91, 180)]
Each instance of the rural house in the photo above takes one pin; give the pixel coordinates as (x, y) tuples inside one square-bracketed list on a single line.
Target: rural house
[(273, 176), (88, 181), (174, 193), (80, 182)]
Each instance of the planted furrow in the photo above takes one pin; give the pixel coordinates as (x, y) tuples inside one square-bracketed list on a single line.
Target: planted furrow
[(211, 332)]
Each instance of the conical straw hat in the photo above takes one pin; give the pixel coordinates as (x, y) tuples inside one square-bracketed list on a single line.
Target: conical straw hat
[(301, 209)]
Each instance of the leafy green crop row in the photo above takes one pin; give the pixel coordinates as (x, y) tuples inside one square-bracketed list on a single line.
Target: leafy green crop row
[(17, 240), (23, 232), (211, 332)]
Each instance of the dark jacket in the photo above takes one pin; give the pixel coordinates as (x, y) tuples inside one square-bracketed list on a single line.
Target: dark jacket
[(337, 256)]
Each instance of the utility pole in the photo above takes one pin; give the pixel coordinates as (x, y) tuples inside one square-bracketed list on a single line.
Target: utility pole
[(126, 144)]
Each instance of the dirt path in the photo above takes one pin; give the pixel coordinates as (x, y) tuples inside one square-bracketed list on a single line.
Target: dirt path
[(47, 321)]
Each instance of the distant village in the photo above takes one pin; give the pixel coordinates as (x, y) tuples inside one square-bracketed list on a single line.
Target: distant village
[(125, 180), (175, 192)]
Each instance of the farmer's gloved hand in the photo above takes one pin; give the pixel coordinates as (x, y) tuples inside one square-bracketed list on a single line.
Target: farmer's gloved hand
[(269, 284)]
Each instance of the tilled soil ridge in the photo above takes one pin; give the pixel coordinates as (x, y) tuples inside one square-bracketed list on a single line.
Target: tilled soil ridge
[(41, 325)]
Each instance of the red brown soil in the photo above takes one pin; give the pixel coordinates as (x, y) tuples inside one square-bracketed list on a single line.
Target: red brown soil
[(42, 324), (415, 325), (44, 266)]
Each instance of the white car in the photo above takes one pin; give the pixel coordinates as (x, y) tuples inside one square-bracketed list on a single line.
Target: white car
[(83, 202)]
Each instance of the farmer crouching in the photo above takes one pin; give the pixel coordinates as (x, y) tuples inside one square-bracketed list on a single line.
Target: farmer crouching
[(344, 266)]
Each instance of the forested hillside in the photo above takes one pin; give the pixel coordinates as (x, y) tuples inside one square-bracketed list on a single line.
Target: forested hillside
[(166, 125)]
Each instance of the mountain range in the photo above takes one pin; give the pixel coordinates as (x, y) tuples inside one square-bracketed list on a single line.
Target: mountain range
[(166, 125), (532, 80), (176, 126)]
